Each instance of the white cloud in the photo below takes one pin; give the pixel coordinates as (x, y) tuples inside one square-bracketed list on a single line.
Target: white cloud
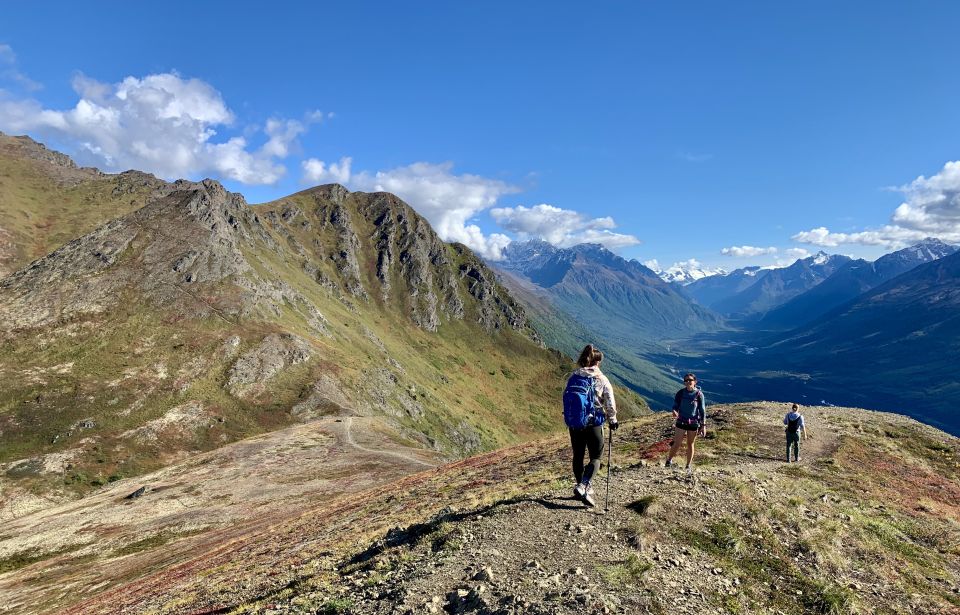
[(931, 209), (688, 264), (795, 253), (653, 265), (890, 237), (161, 123), (933, 204), (448, 201), (283, 134), (318, 172), (560, 227), (747, 251), (9, 71)]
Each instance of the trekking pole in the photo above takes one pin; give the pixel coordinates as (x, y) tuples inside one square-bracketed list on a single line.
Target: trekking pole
[(606, 505)]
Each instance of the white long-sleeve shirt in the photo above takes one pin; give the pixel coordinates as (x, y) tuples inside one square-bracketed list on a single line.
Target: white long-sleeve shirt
[(603, 390)]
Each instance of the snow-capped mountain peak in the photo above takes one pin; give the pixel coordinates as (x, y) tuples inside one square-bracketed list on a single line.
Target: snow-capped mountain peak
[(685, 272), (820, 258)]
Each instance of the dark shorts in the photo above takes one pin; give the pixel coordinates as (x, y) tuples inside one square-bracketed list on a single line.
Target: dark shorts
[(688, 427)]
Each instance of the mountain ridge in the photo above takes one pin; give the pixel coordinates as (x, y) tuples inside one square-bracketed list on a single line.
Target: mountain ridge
[(852, 280), (780, 285), (196, 320)]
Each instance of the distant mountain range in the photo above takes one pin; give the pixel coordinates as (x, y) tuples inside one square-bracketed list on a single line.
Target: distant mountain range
[(780, 285), (894, 347), (622, 305), (685, 273), (851, 280), (606, 292)]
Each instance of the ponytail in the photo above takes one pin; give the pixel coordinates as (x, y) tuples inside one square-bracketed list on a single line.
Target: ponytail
[(589, 356)]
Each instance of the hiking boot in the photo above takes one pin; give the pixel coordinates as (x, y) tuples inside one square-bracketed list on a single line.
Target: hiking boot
[(668, 463), (579, 491), (798, 459), (588, 497), (689, 470)]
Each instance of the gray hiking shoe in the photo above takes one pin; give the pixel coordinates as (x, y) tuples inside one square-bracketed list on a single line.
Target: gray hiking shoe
[(579, 491), (689, 470), (588, 497), (668, 463)]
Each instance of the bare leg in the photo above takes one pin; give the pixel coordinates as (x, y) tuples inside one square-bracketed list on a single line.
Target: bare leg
[(691, 438), (677, 441)]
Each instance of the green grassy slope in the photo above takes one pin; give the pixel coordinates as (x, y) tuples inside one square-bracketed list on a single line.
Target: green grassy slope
[(45, 203), (128, 360)]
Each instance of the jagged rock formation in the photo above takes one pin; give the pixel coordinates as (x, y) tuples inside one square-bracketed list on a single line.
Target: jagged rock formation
[(198, 234), (259, 364)]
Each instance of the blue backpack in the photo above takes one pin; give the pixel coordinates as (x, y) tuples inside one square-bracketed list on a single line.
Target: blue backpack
[(579, 403)]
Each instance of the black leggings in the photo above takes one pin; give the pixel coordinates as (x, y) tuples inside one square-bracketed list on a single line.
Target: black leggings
[(587, 438)]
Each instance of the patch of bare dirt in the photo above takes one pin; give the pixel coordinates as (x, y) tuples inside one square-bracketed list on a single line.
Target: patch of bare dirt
[(194, 506)]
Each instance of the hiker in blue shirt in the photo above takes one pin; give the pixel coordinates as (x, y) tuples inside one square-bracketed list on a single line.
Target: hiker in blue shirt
[(795, 427), (690, 412)]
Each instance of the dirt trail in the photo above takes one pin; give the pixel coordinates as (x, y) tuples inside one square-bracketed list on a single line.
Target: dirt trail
[(548, 554), (347, 435)]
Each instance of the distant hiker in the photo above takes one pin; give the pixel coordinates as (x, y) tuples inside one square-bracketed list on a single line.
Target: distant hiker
[(587, 404), (795, 427), (690, 412)]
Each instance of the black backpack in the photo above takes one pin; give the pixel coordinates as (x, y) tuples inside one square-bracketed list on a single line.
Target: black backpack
[(794, 425)]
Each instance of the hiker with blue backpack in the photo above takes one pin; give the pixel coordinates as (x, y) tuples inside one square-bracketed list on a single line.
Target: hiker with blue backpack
[(794, 427), (587, 404), (690, 412)]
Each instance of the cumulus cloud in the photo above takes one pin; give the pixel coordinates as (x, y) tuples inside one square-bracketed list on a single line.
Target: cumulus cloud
[(795, 253), (560, 227), (162, 123), (888, 237), (931, 208), (932, 204), (318, 172), (747, 251), (448, 201)]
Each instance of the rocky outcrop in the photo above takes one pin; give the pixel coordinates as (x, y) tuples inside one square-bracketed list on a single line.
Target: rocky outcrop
[(25, 147), (408, 249), (496, 308), (59, 166), (258, 365), (191, 235)]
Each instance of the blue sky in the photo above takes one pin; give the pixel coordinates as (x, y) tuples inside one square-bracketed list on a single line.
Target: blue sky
[(669, 131)]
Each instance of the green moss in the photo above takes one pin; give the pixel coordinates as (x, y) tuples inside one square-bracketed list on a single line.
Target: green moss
[(630, 571), (826, 597), (151, 542), (25, 558)]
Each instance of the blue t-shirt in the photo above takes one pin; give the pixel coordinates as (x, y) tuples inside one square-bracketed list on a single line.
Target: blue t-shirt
[(686, 403)]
